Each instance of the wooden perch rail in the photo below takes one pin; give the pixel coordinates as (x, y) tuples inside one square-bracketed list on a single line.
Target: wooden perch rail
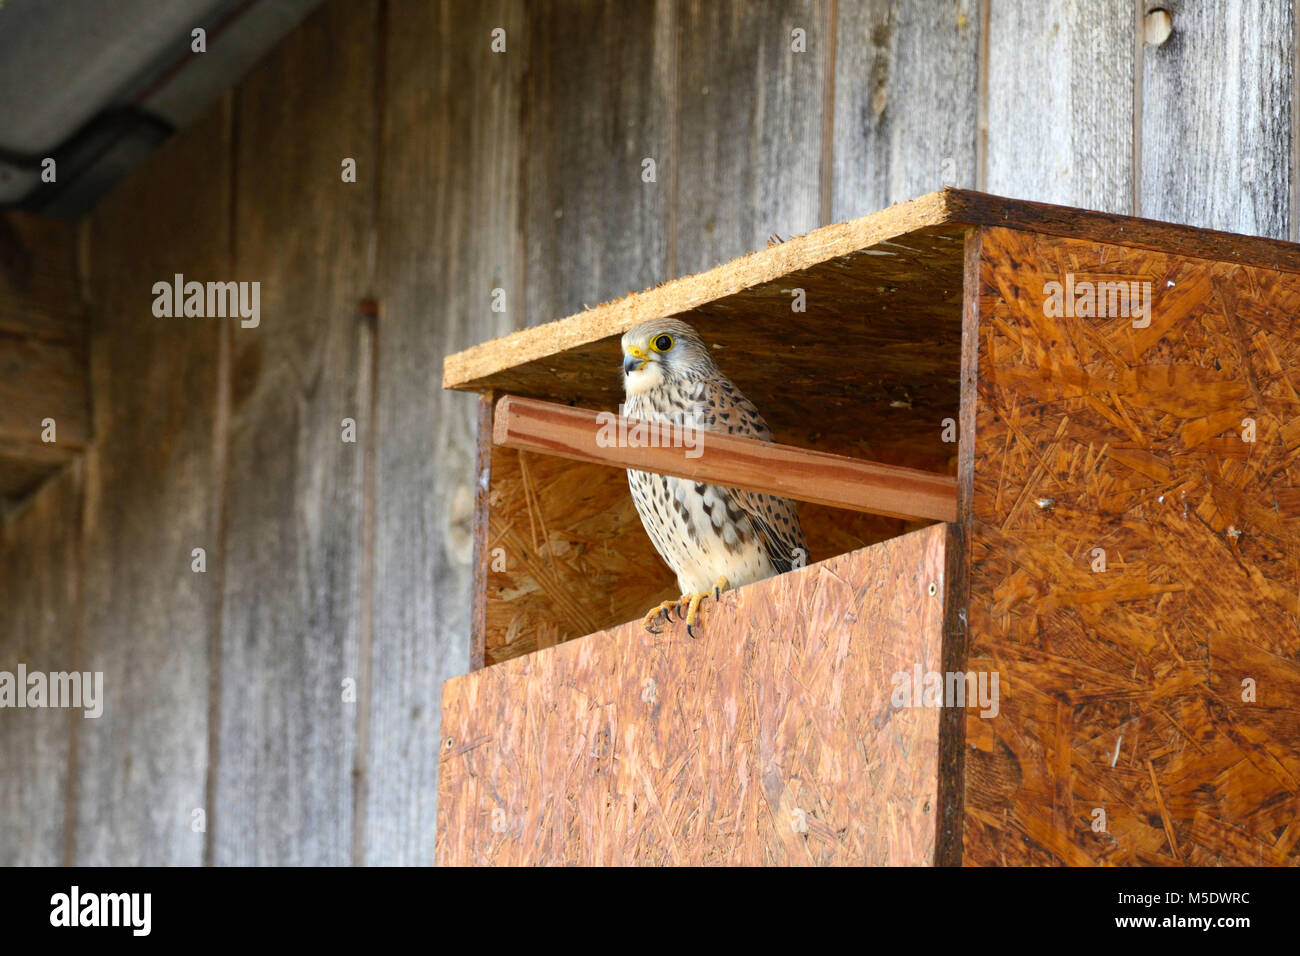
[(730, 461)]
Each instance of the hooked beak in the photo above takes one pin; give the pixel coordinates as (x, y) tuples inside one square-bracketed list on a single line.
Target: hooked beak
[(634, 360)]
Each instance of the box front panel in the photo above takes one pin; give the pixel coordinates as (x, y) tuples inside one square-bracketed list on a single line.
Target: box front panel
[(776, 736)]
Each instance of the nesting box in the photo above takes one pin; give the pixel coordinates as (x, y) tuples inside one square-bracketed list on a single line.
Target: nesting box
[(1048, 466)]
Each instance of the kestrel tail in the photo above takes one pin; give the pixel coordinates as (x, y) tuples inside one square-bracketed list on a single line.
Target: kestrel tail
[(712, 537)]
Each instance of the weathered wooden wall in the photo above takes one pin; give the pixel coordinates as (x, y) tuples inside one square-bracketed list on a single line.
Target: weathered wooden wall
[(38, 627), (294, 619), (153, 491), (477, 171), (446, 241), (43, 368)]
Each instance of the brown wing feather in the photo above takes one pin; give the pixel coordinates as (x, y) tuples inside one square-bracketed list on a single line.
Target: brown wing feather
[(722, 408), (777, 522)]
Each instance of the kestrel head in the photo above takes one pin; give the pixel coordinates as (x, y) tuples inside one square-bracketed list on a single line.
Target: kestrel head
[(662, 351)]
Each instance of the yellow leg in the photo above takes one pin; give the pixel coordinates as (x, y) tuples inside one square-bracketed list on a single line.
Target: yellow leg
[(665, 609), (719, 586), (691, 602)]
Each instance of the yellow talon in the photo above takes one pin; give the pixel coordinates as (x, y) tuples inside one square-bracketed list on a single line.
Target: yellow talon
[(690, 601), (694, 607), (665, 609)]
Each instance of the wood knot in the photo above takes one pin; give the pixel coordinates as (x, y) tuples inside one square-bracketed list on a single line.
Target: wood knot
[(1157, 26)]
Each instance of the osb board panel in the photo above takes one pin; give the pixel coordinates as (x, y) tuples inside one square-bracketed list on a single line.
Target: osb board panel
[(566, 554), (769, 739), (926, 227), (1122, 690), (892, 314), (885, 289), (494, 363)]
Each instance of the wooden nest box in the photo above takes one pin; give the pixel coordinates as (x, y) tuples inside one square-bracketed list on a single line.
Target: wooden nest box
[(1048, 458)]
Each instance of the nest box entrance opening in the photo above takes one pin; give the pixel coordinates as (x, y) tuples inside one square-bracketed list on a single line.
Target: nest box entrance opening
[(847, 340)]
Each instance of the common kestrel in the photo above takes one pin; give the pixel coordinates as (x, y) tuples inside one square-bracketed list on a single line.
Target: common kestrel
[(712, 537)]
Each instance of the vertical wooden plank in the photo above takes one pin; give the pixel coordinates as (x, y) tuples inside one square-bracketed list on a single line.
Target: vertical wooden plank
[(42, 379), (291, 615), (1060, 110), (906, 101), (43, 364), (449, 235), (152, 492), (38, 278), (38, 594), (598, 104), (1216, 117), (749, 125)]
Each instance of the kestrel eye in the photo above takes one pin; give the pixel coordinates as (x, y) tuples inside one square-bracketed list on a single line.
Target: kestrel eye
[(663, 343)]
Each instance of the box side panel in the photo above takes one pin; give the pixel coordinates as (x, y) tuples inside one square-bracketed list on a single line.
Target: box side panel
[(481, 561), (1134, 561), (772, 738)]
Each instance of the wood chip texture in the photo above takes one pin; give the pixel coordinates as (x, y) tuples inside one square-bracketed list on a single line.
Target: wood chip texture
[(771, 738)]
